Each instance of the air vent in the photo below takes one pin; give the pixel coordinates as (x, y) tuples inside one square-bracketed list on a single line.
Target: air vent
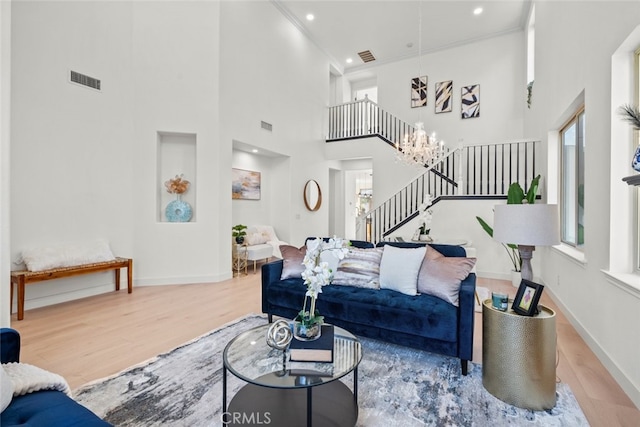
[(84, 80), (366, 56), (266, 126)]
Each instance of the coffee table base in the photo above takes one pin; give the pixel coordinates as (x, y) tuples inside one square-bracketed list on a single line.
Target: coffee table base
[(333, 404)]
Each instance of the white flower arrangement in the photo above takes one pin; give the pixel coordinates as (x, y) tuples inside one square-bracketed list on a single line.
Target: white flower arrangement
[(317, 272), (425, 214)]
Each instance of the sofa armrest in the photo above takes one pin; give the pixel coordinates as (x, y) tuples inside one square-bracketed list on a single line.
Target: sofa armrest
[(9, 345), (466, 309), (271, 272)]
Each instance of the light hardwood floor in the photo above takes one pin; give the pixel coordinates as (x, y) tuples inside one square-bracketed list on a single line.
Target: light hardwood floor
[(88, 339)]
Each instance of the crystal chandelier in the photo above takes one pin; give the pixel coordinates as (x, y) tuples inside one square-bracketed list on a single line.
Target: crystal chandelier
[(419, 149)]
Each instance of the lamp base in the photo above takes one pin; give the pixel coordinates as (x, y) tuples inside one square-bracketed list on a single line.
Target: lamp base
[(526, 253)]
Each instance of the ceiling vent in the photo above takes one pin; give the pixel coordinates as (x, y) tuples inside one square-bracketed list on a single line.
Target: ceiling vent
[(366, 56), (266, 126), (84, 80)]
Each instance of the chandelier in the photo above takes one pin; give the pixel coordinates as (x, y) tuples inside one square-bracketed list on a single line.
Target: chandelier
[(419, 149)]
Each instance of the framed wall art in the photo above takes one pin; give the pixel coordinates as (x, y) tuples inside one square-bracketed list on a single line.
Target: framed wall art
[(470, 102), (245, 185), (419, 91), (443, 96)]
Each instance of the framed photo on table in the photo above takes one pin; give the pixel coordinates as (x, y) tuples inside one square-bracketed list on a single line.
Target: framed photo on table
[(526, 300)]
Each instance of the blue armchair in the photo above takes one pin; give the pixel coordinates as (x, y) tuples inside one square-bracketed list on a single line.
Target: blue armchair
[(46, 408)]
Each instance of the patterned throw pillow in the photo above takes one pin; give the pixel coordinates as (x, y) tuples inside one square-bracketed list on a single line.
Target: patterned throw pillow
[(399, 268), (292, 267), (360, 268), (440, 276)]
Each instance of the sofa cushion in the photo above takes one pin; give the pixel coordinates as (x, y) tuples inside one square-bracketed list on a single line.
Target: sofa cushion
[(360, 267), (399, 269), (292, 266), (6, 389), (440, 276), (422, 315), (48, 408)]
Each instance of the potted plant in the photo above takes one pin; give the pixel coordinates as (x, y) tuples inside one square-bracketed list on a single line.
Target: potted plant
[(238, 231), (515, 196), (631, 114)]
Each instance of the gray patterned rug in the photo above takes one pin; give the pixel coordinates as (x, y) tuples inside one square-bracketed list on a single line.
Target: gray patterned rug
[(397, 386)]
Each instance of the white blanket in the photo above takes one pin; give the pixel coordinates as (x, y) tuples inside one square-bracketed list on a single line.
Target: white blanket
[(28, 378)]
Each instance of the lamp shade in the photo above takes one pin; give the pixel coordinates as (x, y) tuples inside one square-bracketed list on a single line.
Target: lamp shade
[(531, 225)]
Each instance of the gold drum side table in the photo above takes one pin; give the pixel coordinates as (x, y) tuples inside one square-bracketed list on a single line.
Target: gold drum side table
[(519, 356)]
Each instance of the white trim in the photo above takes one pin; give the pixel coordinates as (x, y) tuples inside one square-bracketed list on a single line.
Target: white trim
[(572, 254), (628, 282)]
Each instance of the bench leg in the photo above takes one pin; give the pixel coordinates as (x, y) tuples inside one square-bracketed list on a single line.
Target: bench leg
[(130, 276), (117, 270), (21, 298)]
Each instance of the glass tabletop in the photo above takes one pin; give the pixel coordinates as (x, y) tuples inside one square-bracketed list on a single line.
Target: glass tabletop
[(249, 358)]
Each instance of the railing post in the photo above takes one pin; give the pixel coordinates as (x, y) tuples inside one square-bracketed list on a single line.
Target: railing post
[(460, 181)]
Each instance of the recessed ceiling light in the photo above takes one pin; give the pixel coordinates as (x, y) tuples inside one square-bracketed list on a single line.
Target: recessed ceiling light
[(310, 17), (349, 60), (477, 11), (255, 150)]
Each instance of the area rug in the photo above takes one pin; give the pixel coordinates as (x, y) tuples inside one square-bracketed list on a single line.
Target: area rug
[(396, 386)]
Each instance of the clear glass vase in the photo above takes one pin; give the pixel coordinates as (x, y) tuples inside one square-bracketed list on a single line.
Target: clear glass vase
[(306, 330)]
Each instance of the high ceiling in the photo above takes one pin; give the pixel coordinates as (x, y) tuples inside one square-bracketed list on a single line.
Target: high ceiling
[(390, 28)]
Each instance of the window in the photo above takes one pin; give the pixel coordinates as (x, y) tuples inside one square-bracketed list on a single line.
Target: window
[(572, 180)]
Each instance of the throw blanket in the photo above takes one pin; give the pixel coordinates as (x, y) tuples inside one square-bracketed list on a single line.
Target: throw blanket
[(28, 378)]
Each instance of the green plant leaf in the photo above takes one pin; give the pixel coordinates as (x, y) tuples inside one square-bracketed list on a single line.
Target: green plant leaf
[(486, 227), (533, 190), (515, 195)]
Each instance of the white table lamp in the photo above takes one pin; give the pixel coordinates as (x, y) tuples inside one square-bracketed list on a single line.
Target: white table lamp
[(527, 226)]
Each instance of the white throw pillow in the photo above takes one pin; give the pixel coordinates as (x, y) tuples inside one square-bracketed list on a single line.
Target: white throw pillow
[(399, 268), (46, 258), (6, 389)]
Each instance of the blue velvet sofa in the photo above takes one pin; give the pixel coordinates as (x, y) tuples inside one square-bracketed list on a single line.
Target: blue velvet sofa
[(422, 321), (45, 408)]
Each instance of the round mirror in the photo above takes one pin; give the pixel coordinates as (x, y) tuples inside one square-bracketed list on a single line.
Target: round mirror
[(312, 195)]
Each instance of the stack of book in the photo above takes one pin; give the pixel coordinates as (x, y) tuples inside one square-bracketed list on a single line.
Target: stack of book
[(320, 350)]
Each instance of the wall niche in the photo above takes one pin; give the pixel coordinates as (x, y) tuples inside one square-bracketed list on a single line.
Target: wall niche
[(176, 164)]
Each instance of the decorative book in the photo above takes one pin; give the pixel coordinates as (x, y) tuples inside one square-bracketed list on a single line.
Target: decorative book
[(320, 350)]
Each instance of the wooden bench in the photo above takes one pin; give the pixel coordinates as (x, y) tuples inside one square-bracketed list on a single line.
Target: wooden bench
[(24, 277)]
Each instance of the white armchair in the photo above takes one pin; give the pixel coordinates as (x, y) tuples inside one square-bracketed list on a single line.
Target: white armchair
[(262, 243)]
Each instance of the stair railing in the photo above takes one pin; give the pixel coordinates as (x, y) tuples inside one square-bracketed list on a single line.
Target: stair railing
[(470, 172)]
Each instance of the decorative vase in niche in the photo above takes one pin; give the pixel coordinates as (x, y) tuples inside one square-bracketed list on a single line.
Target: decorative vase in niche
[(635, 163), (178, 211)]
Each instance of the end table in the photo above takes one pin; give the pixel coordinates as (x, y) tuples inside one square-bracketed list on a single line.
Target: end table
[(239, 259), (519, 356)]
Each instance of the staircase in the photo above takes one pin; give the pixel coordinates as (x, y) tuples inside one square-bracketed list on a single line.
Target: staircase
[(471, 172)]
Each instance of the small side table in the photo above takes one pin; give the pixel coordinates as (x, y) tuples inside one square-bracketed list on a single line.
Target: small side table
[(519, 356), (239, 259)]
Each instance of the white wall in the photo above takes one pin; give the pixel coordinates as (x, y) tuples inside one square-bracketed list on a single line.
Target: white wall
[(574, 48), (273, 73), (5, 136), (496, 64), (72, 174)]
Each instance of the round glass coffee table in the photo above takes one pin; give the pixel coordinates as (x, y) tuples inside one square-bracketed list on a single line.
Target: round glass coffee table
[(280, 392)]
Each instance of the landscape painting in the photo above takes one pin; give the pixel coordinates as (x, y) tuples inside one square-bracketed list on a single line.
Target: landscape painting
[(245, 185)]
